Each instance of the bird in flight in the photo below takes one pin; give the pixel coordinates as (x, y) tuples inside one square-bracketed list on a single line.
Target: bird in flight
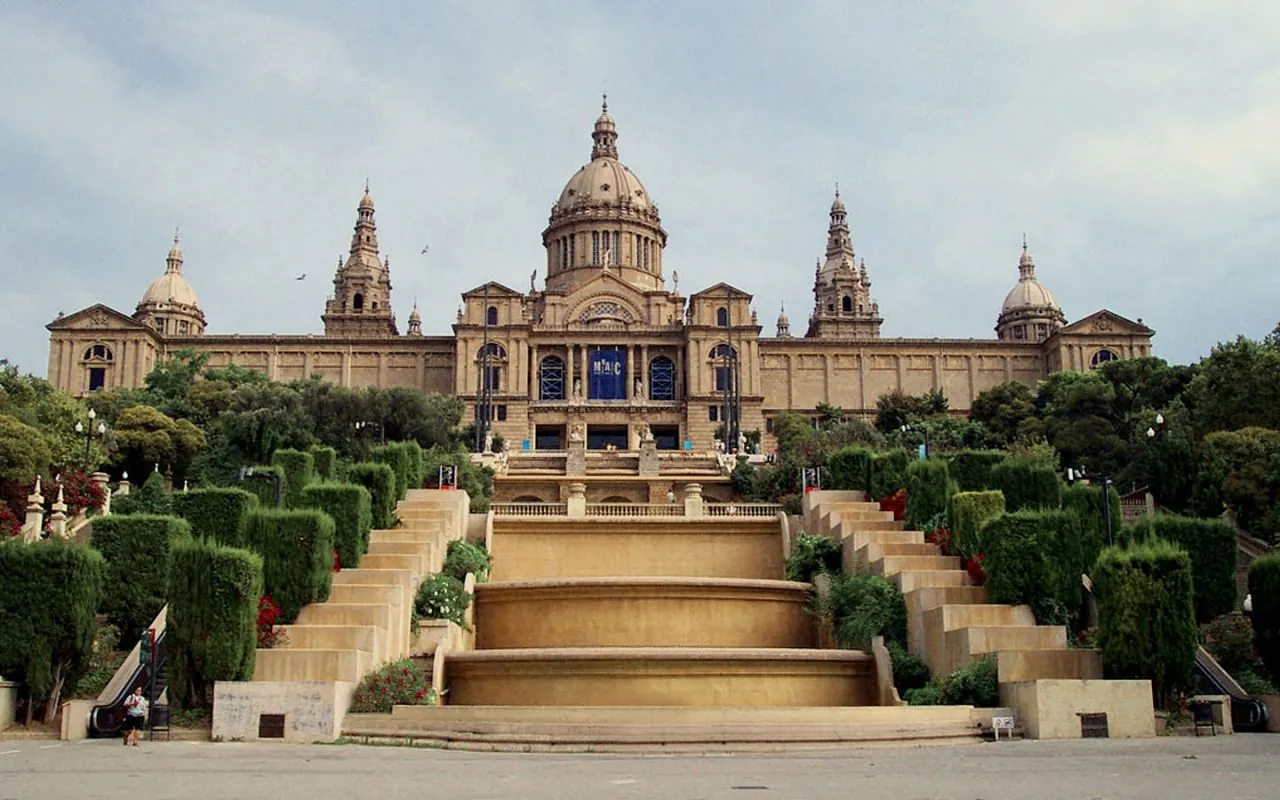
[(425, 249), (301, 277)]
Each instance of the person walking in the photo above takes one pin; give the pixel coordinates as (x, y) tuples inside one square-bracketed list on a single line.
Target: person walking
[(135, 716)]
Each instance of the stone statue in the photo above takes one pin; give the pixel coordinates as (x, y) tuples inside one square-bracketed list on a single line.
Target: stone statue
[(488, 441), (639, 392), (533, 277), (575, 434), (742, 442), (577, 388), (646, 433)]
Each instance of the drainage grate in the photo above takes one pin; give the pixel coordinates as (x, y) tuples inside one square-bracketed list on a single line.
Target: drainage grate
[(1094, 726), (271, 726)]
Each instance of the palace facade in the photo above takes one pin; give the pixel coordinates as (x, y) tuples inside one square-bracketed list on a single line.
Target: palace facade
[(608, 345)]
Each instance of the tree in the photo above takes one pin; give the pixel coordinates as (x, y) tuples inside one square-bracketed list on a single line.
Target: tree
[(1145, 383), (1235, 387), (35, 402), (24, 453), (1080, 422), (171, 380), (895, 409), (1240, 470), (146, 437), (1005, 410)]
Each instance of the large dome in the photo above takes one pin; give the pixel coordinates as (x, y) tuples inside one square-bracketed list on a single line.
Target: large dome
[(170, 289), (604, 181), (1028, 292)]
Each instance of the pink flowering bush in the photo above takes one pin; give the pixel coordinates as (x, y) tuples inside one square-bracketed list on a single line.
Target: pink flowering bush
[(398, 683)]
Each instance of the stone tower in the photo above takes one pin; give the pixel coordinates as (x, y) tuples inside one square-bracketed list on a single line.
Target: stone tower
[(1029, 313), (842, 305), (361, 302), (170, 305)]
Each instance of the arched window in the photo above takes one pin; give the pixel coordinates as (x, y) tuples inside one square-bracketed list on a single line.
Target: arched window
[(724, 358), (722, 351), (848, 303), (491, 315), (722, 317), (373, 306), (99, 352), (357, 302), (1103, 356), (646, 253), (662, 379), (493, 350), (551, 378)]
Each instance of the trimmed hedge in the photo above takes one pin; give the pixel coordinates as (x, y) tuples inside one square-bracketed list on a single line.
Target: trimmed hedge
[(971, 469), (929, 487), (211, 630), (1211, 545), (326, 462), (1264, 588), (889, 472), (462, 557), (136, 549), (849, 468), (1146, 616), (349, 506), (299, 473), (813, 555), (297, 556), (380, 480), (262, 485), (1086, 502), (1037, 558), (863, 606), (969, 512), (49, 596), (396, 457), (1026, 487), (417, 464), (218, 514)]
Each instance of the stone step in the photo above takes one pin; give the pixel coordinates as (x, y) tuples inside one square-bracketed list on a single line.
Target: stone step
[(892, 565), (365, 575), (919, 601), (331, 637), (367, 594), (293, 664), (965, 643), (399, 549), (404, 535), (859, 539), (913, 579), (1031, 665), (364, 614), (414, 563), (941, 620)]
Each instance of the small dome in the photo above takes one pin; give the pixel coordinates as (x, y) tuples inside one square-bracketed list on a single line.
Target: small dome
[(367, 200), (1028, 293), (783, 319), (414, 316), (175, 252), (170, 289), (604, 181)]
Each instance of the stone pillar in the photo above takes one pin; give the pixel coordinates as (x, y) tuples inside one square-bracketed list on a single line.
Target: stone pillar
[(577, 500), (123, 486), (533, 375), (58, 519), (648, 458), (571, 374), (100, 479), (644, 373), (628, 383), (576, 462), (693, 500), (34, 525)]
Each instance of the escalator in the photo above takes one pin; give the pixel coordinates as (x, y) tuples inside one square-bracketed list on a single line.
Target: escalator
[(1247, 714), (106, 718)]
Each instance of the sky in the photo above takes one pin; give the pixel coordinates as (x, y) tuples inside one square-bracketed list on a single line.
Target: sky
[(1136, 144)]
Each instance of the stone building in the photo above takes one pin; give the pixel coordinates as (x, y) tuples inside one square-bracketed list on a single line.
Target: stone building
[(609, 344)]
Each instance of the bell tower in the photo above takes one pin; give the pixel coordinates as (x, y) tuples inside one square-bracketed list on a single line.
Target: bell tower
[(361, 301), (842, 304)]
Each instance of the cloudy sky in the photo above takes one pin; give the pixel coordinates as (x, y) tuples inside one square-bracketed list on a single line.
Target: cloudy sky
[(1135, 142)]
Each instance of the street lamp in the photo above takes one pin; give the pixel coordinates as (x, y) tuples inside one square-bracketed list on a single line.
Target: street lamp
[(88, 431), (382, 429), (1079, 474), (919, 429), (1151, 431)]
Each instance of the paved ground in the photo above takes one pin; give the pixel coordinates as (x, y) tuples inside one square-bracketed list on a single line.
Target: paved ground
[(1163, 769)]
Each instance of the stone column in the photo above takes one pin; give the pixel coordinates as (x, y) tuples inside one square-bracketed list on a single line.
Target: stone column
[(571, 373), (34, 525), (123, 486), (577, 505), (627, 382), (693, 500), (533, 375), (58, 519), (648, 458), (644, 373), (100, 479), (575, 465)]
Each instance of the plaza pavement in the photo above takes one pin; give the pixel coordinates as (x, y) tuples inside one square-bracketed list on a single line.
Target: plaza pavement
[(1245, 766)]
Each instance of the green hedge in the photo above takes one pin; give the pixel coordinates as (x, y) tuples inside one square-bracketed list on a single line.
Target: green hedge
[(49, 596), (396, 457), (1211, 545), (971, 469), (889, 472), (1037, 558), (863, 606), (929, 488), (417, 464), (326, 462), (1026, 487), (218, 514), (297, 556), (136, 549), (262, 485), (1264, 588), (1146, 616), (349, 506), (849, 469), (212, 621), (462, 557), (1086, 502), (299, 473), (380, 480), (813, 555), (969, 512), (476, 481)]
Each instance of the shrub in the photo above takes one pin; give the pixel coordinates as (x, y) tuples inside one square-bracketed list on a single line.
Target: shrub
[(1085, 501), (811, 555), (151, 498), (896, 503), (136, 549), (399, 683), (849, 468), (349, 506), (1146, 616), (268, 616), (969, 512), (326, 462), (380, 480), (417, 464), (863, 606), (971, 469), (930, 695), (974, 684), (1026, 486), (49, 593), (462, 557), (79, 492), (211, 626), (1035, 557), (299, 472), (441, 596), (1229, 639), (394, 456), (929, 487), (1264, 588), (264, 484), (476, 481), (1211, 544), (218, 514), (889, 472), (909, 671), (297, 552)]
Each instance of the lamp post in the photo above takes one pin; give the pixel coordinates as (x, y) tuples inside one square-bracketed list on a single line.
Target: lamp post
[(917, 428), (1079, 474), (382, 429), (1151, 430), (88, 431)]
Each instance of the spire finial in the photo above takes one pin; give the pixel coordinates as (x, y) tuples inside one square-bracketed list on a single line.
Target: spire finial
[(175, 234), (1024, 242), (837, 190), (604, 102), (366, 184)]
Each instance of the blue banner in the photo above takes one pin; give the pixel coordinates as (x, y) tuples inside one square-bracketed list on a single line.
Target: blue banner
[(607, 369)]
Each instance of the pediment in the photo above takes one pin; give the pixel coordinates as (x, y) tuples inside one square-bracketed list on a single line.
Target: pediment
[(496, 290), (1107, 323), (96, 317), (721, 290)]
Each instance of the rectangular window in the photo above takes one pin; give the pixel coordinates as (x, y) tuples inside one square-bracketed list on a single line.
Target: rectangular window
[(502, 413), (713, 413), (617, 254), (646, 253), (768, 424), (595, 247), (97, 378), (492, 376), (724, 379), (573, 246)]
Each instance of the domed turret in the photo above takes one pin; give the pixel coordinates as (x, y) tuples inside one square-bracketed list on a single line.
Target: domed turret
[(1029, 312), (784, 323), (170, 304), (604, 219)]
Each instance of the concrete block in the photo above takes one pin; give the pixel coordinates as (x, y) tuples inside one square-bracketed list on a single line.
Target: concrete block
[(1014, 666), (1051, 709), (910, 580), (921, 600), (892, 565), (290, 664), (313, 710), (965, 643), (943, 619), (8, 703)]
